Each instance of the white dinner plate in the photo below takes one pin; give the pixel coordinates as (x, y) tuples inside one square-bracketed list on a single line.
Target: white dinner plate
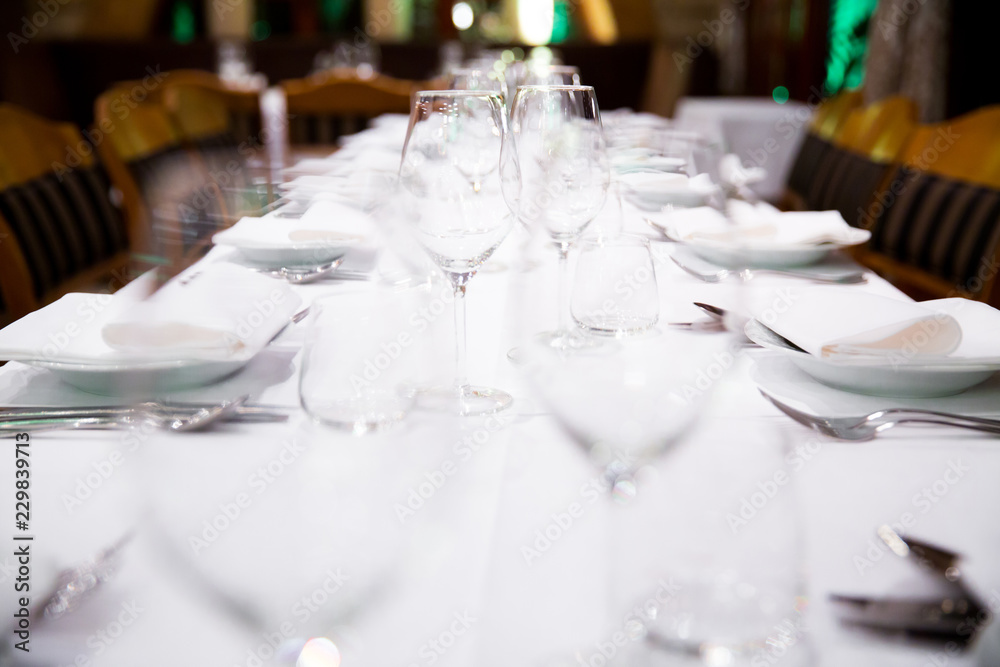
[(776, 374), (653, 191), (877, 377), (145, 378), (283, 243)]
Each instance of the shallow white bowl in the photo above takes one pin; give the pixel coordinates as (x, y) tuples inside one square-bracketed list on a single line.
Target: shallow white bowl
[(901, 381)]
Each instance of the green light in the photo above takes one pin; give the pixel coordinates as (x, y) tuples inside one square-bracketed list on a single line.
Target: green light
[(183, 23), (780, 94), (260, 30), (334, 11), (848, 43), (560, 22)]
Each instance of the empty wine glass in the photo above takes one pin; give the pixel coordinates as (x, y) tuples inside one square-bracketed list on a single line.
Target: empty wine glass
[(450, 178), (552, 75), (557, 176), (489, 80)]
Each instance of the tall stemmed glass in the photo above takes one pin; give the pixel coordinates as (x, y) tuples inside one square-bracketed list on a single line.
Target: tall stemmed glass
[(450, 179), (559, 179)]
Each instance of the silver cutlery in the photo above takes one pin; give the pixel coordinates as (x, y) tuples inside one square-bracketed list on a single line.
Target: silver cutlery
[(937, 559), (868, 426), (716, 275), (954, 616), (950, 617), (304, 275), (243, 413), (177, 421), (708, 326)]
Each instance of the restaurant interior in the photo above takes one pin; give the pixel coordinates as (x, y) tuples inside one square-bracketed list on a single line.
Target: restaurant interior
[(558, 333)]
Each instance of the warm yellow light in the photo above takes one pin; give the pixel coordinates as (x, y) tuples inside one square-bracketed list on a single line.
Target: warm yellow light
[(535, 19), (462, 15)]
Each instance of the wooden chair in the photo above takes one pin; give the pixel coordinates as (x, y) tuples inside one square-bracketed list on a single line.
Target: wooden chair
[(860, 159), (826, 121), (202, 104), (173, 202), (206, 125), (325, 107), (936, 228), (59, 227)]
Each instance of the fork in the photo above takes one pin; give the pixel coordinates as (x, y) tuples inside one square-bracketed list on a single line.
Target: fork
[(243, 413), (175, 421), (721, 274), (304, 276), (868, 426)]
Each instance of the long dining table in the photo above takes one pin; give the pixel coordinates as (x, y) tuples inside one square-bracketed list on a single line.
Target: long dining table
[(420, 545)]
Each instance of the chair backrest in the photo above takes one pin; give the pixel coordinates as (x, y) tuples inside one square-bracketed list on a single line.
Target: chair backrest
[(879, 131), (826, 121), (322, 108), (59, 227), (201, 102), (937, 219), (860, 158), (207, 126), (832, 112), (166, 187)]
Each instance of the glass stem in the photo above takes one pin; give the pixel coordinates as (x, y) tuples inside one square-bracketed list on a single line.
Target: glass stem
[(461, 372), (564, 315)]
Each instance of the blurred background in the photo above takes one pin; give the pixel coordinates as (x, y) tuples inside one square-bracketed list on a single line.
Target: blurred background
[(133, 130), (645, 54)]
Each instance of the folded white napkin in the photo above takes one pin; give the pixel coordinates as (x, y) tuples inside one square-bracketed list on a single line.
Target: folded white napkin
[(764, 226), (838, 322), (226, 313), (733, 172), (349, 161), (324, 224), (212, 311)]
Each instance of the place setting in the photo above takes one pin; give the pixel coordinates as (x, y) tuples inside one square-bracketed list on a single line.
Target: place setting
[(852, 365), (513, 332)]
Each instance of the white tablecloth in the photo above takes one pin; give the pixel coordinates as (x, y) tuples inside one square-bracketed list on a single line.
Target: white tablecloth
[(407, 548)]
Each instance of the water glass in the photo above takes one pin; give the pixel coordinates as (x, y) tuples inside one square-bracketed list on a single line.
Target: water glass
[(614, 290), (364, 354)]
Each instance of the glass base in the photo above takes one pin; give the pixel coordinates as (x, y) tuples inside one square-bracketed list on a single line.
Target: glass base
[(561, 341), (465, 402)]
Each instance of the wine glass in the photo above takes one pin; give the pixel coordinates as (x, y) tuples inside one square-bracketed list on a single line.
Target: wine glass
[(479, 79), (557, 176), (553, 75), (450, 179)]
